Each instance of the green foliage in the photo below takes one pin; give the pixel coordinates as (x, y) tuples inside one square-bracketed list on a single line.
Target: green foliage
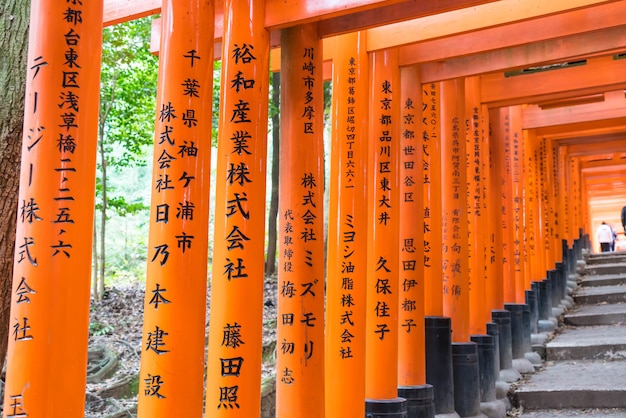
[(128, 92), (126, 130), (99, 328), (217, 81)]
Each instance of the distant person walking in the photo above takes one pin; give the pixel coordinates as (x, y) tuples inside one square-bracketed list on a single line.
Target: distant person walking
[(624, 219), (605, 237)]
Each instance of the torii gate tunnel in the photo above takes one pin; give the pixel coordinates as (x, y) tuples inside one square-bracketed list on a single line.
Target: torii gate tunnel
[(475, 147)]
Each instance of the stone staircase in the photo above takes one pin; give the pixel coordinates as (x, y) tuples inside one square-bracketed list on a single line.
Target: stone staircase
[(584, 370)]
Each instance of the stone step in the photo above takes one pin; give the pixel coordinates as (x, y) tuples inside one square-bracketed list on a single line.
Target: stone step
[(584, 412), (602, 258), (604, 280), (594, 295), (575, 384), (605, 268), (602, 314), (603, 342)]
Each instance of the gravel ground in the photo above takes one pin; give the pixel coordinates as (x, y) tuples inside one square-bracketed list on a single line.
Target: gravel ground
[(116, 323)]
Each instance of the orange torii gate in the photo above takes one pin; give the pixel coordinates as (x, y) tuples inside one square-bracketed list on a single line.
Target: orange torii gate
[(48, 331), (386, 250)]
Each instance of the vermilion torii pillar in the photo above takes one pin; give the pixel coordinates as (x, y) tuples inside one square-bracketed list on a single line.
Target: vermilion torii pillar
[(431, 189), (495, 291), (508, 237), (518, 243), (236, 334), (532, 270), (553, 196), (455, 266), (381, 367), (411, 338), (499, 120), (347, 231), (172, 361), (477, 216), (300, 336), (48, 331)]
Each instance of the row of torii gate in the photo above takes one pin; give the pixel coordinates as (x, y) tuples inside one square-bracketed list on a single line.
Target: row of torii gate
[(448, 198)]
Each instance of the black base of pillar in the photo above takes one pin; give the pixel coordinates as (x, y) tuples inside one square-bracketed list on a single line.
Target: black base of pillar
[(466, 379), (517, 329), (503, 319), (486, 366), (419, 400), (385, 408), (527, 330), (531, 301), (438, 334), (493, 330), (544, 300)]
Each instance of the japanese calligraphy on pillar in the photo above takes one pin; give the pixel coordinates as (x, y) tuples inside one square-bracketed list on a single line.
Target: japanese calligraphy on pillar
[(430, 134), (411, 237), (431, 180), (347, 226), (506, 196), (385, 173), (383, 261), (453, 211), (455, 267), (175, 302), (564, 185), (517, 209), (411, 359), (300, 335), (351, 245), (235, 338), (530, 203), (55, 214), (475, 137), (543, 189), (554, 184)]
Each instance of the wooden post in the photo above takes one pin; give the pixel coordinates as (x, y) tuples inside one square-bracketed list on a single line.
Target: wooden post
[(347, 231), (300, 336), (172, 361), (495, 291), (431, 168), (531, 216), (507, 208), (577, 208), (477, 217), (518, 242), (544, 169), (411, 343), (486, 265), (454, 209), (236, 335), (565, 197), (501, 124), (540, 206), (381, 367), (553, 198), (48, 330)]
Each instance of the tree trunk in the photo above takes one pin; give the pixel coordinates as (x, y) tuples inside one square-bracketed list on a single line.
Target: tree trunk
[(103, 222), (270, 261), (94, 256), (14, 20)]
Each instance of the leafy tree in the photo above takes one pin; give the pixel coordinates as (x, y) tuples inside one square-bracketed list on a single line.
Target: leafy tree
[(272, 220), (14, 19), (126, 124)]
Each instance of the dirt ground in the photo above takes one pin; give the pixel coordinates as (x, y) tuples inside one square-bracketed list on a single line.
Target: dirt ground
[(116, 330)]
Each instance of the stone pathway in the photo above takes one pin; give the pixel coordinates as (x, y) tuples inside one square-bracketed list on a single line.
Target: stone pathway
[(584, 370)]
